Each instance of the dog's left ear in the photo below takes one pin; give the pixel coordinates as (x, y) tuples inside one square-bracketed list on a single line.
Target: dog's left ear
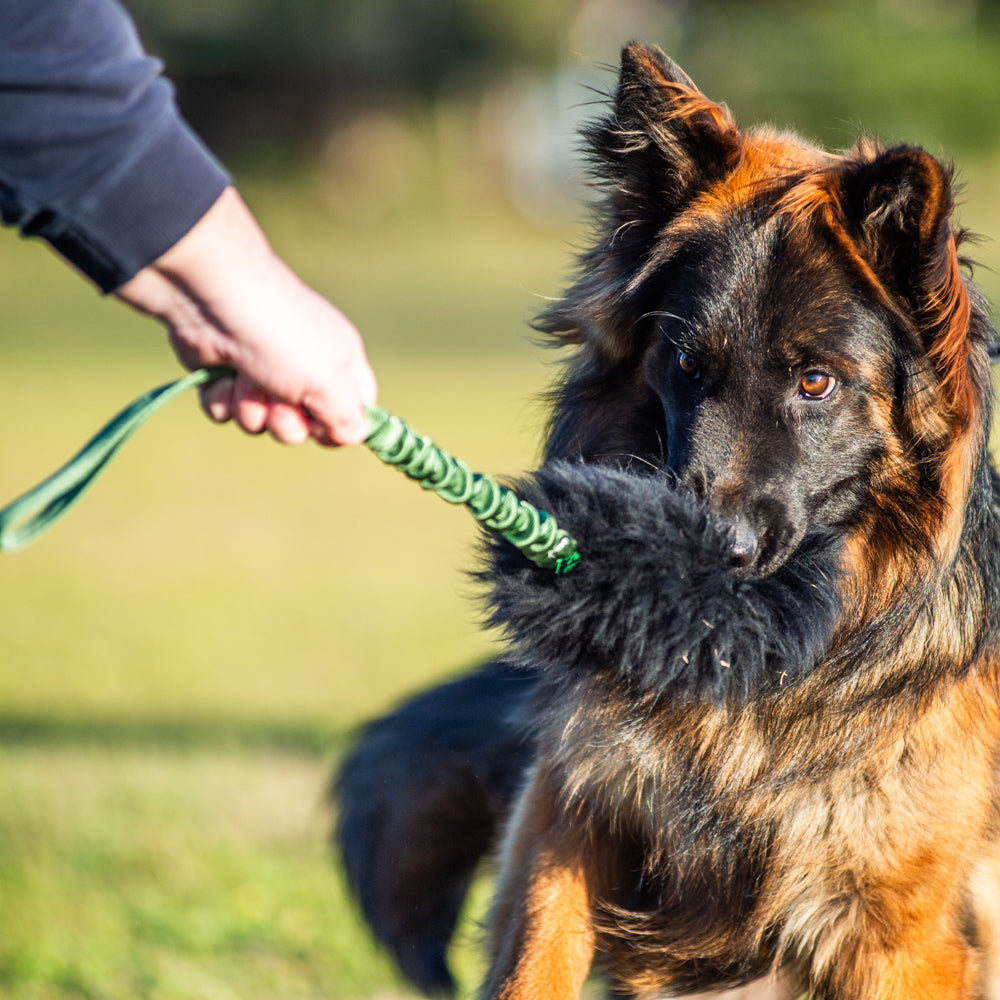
[(898, 206)]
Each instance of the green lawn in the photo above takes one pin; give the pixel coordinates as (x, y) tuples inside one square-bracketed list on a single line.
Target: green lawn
[(169, 873), (182, 659)]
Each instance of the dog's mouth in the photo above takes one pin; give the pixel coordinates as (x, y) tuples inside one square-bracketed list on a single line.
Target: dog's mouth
[(762, 530), (759, 550), (761, 537), (674, 596)]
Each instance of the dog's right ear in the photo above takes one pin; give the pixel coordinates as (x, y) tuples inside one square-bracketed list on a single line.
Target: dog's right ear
[(665, 140), (662, 144)]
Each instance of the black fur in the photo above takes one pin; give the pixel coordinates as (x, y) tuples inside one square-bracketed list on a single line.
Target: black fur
[(457, 753), (657, 598)]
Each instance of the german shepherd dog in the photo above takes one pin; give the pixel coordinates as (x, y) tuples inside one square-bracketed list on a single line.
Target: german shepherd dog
[(756, 731)]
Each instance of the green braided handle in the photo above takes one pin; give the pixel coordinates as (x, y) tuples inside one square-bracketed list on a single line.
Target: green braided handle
[(534, 532)]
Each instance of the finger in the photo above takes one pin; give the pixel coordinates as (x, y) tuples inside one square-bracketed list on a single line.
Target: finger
[(217, 399), (343, 429), (288, 424), (250, 404), (350, 431), (341, 419), (319, 434)]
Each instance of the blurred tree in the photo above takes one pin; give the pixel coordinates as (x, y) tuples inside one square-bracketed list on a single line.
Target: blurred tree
[(289, 70), (924, 71), (385, 43)]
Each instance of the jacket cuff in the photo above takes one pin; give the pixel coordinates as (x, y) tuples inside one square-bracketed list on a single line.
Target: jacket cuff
[(154, 201)]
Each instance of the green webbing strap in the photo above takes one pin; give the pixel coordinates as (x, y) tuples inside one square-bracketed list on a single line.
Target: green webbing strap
[(31, 515), (534, 532)]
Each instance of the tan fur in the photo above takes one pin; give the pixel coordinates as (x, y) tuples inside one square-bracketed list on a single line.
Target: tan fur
[(852, 848), (547, 942)]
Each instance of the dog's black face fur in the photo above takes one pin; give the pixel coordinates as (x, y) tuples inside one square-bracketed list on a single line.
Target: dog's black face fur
[(785, 331), (759, 361)]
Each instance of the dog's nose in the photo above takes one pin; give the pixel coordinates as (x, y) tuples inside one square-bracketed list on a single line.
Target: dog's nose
[(744, 542)]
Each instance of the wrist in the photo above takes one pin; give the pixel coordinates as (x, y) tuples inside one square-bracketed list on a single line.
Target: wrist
[(224, 248), (225, 254)]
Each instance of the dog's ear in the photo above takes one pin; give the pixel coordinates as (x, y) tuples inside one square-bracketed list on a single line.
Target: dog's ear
[(665, 139), (663, 143), (898, 205)]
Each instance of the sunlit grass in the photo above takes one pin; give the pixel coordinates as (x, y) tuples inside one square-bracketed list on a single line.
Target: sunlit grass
[(165, 875)]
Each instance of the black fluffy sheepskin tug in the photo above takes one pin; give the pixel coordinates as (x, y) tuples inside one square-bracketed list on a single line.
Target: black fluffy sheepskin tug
[(656, 596)]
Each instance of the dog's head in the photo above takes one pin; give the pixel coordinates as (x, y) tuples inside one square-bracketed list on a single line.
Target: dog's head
[(786, 331)]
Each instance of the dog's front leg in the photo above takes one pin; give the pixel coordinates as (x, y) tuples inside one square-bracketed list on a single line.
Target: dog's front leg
[(542, 924), (928, 960)]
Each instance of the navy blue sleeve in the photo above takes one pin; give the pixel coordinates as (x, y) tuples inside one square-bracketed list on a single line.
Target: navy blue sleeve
[(94, 156)]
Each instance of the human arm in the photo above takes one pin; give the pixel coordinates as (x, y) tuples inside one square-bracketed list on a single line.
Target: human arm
[(94, 157), (96, 160)]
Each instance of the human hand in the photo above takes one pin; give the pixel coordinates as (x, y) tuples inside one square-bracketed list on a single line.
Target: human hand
[(227, 299)]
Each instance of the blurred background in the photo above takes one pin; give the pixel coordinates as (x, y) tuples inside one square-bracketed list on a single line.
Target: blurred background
[(182, 661)]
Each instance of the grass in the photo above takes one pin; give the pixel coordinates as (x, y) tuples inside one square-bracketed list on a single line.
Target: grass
[(182, 659), (153, 873)]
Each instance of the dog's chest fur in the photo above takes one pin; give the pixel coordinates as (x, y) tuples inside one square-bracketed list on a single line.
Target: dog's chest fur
[(748, 838)]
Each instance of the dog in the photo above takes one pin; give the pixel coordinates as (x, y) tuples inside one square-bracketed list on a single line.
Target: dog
[(755, 732)]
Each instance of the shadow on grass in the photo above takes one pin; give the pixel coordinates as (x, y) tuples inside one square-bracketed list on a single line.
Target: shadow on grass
[(17, 730)]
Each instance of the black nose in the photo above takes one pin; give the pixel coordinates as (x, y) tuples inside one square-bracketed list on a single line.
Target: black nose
[(744, 542)]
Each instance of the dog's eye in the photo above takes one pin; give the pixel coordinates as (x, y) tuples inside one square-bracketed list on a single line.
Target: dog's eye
[(817, 385), (687, 364)]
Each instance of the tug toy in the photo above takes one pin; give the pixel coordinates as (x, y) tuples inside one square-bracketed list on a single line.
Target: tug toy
[(529, 529)]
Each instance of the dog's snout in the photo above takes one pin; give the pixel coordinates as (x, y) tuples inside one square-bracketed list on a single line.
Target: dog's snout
[(744, 542)]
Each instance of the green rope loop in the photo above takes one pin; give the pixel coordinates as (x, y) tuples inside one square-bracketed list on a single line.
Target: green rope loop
[(32, 514), (534, 532)]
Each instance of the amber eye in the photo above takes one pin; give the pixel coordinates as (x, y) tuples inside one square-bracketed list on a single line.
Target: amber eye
[(687, 364), (817, 385)]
